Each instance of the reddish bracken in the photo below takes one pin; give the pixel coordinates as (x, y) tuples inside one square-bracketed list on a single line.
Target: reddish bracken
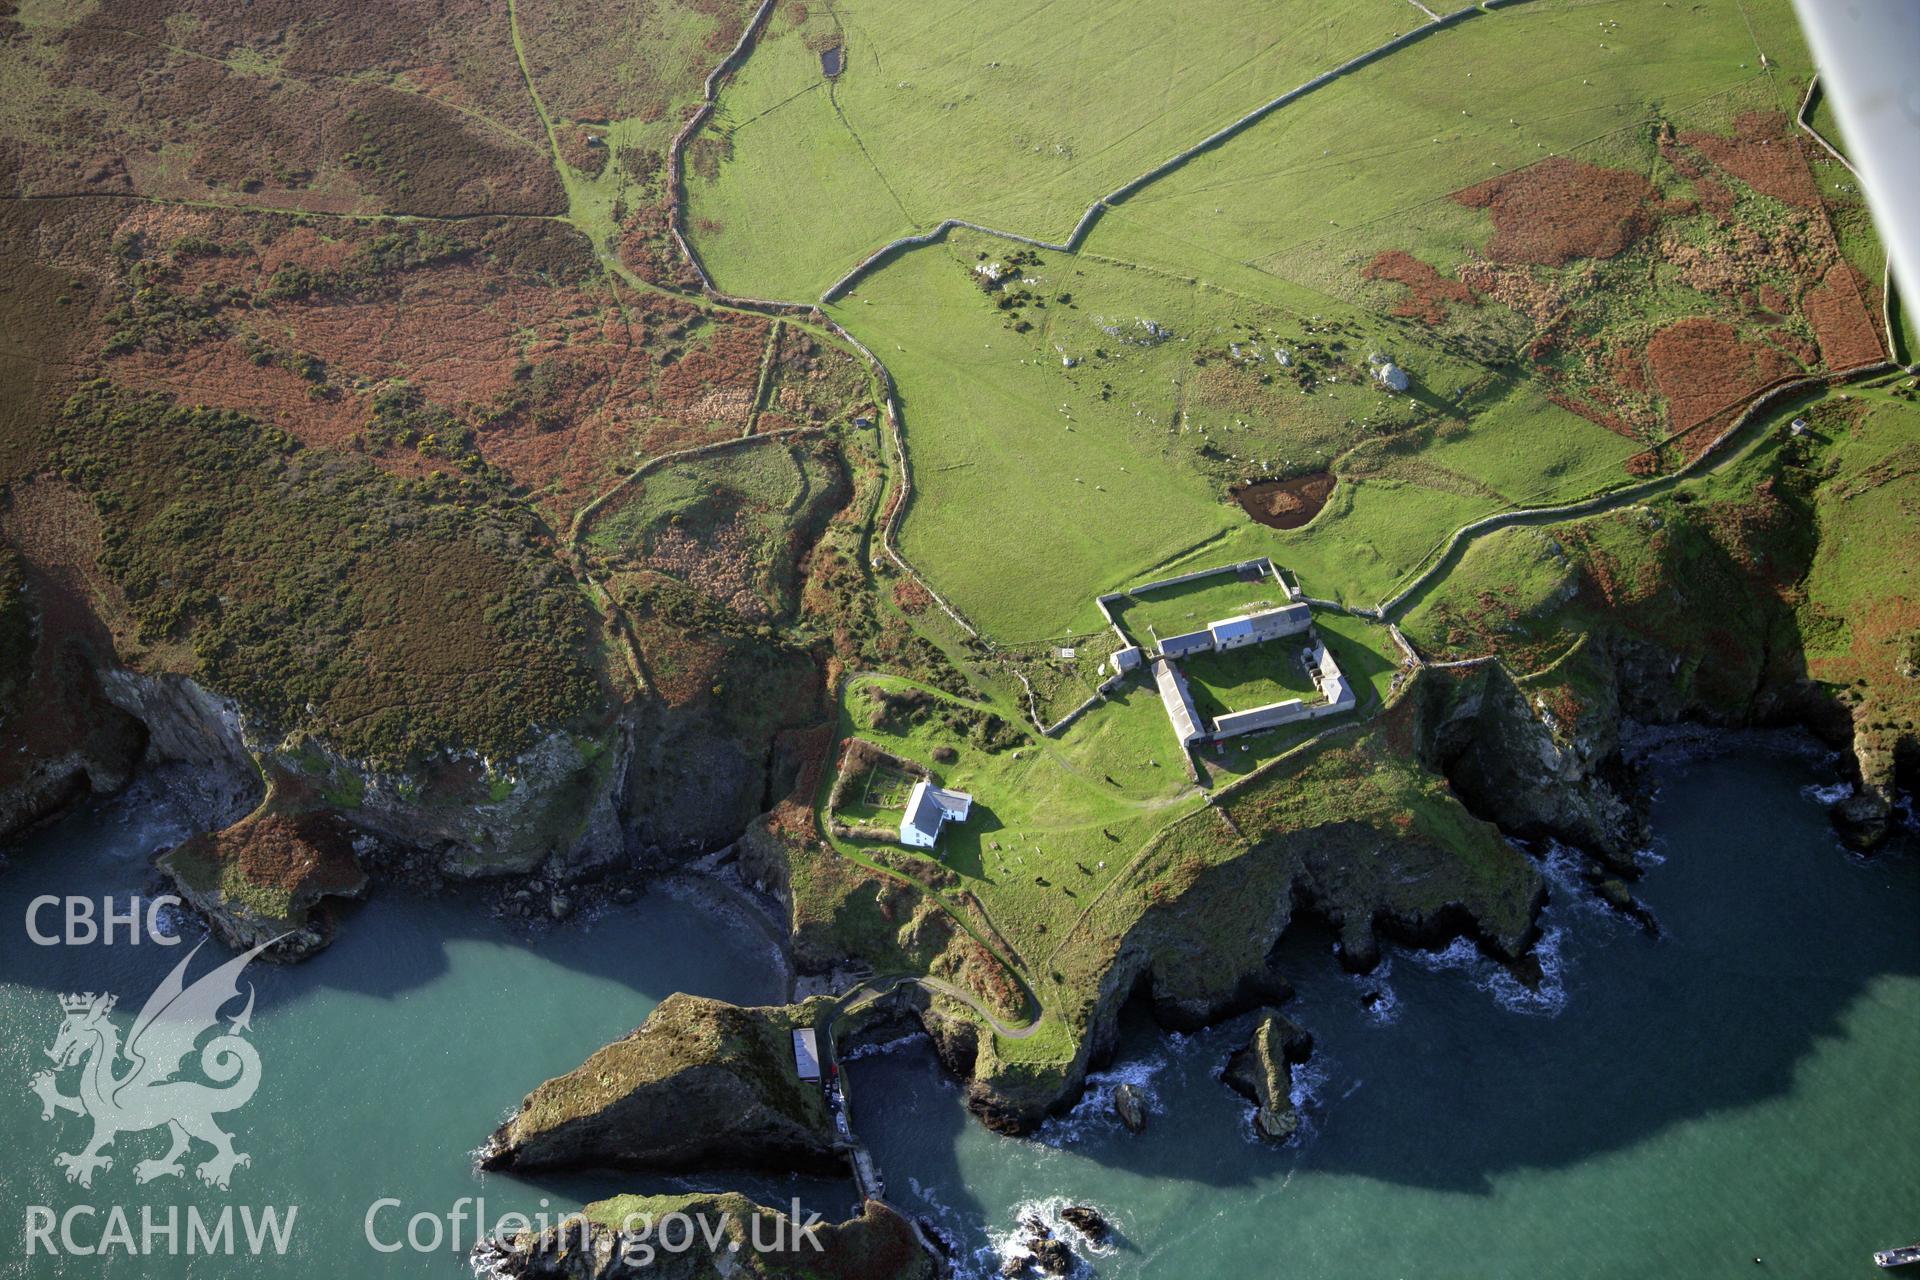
[(1842, 320), (1764, 153), (1702, 367), (1429, 294), (1560, 209)]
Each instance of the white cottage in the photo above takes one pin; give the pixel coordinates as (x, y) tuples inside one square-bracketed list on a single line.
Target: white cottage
[(928, 809)]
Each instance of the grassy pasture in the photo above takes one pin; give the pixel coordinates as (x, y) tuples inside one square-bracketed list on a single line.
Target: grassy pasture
[(997, 112), (1074, 480), (1047, 829), (1241, 679), (1490, 95), (1189, 606), (1009, 488)]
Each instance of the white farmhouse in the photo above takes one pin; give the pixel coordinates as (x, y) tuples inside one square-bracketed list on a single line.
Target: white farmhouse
[(928, 809)]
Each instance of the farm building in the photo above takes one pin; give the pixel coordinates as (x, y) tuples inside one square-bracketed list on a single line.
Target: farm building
[(1185, 643), (1178, 700), (1333, 684), (1334, 688), (1256, 628), (806, 1055), (1271, 716), (1241, 629), (928, 809), (1125, 660)]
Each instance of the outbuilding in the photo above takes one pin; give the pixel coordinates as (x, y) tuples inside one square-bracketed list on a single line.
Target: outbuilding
[(806, 1055)]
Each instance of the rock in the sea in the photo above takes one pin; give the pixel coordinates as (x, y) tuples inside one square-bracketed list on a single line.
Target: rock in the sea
[(701, 1085), (620, 1239), (1087, 1221), (1262, 1072), (1052, 1257), (560, 906), (1130, 1107)]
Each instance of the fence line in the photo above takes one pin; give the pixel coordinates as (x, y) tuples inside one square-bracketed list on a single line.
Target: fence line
[(1601, 502)]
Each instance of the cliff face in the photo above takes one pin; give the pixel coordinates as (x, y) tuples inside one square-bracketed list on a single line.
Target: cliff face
[(60, 736), (1477, 727), (1774, 594), (620, 1239), (702, 1085), (1355, 835)]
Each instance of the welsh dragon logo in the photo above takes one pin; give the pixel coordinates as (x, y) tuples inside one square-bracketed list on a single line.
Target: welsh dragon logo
[(130, 1088)]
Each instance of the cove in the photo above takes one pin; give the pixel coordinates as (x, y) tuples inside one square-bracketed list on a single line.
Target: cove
[(1741, 1087), (384, 1059)]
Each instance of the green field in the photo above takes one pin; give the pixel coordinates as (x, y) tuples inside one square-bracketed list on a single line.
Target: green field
[(1073, 480), (1051, 822), (1080, 426), (1002, 113), (1189, 606), (1254, 676), (1492, 94)]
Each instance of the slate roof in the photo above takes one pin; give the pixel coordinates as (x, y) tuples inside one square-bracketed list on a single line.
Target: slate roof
[(924, 813), (1178, 701), (929, 806)]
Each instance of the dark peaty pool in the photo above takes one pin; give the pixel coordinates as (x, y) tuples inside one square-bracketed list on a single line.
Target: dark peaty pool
[(1286, 504)]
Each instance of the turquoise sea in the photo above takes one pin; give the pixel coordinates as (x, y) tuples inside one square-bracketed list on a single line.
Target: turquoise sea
[(1742, 1088)]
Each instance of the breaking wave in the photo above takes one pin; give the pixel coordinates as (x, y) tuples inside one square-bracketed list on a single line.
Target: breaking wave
[(1828, 795), (1008, 1245), (879, 1048), (1094, 1113), (1383, 1010), (1549, 999)]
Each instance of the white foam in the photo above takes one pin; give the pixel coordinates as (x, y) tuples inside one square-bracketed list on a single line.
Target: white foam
[(1385, 1011), (882, 1047), (1548, 1000), (1829, 795), (1094, 1113), (1006, 1244)]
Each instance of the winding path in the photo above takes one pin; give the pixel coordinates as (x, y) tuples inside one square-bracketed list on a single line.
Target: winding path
[(865, 992)]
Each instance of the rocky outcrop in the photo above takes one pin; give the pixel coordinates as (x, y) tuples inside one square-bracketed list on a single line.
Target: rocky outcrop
[(624, 1238), (1088, 1221), (1476, 726), (1206, 954), (1262, 1072), (270, 875), (702, 1085)]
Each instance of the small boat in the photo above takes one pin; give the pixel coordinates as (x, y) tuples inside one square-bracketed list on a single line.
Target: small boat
[(1904, 1256)]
